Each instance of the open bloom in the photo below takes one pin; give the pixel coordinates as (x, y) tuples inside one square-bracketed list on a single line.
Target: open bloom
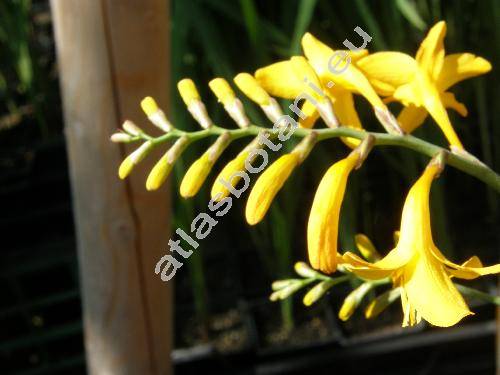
[(417, 266), (421, 84)]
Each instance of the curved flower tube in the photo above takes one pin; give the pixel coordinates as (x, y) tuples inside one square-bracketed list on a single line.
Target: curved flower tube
[(322, 227)]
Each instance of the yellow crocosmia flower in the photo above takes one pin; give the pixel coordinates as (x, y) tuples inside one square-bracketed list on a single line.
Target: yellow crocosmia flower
[(322, 227), (418, 267), (222, 90), (348, 77), (251, 88), (188, 91), (196, 176), (268, 185), (421, 84), (219, 190)]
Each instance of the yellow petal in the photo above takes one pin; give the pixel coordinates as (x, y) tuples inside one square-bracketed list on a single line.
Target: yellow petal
[(196, 176), (450, 101), (431, 100), (469, 270), (460, 66), (343, 106), (411, 117), (431, 292), (267, 186), (430, 55), (316, 51), (235, 165), (366, 247), (382, 269), (279, 80), (322, 228), (386, 71), (319, 55), (311, 113), (251, 88), (289, 79)]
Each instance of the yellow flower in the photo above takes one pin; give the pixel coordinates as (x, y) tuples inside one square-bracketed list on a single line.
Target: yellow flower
[(268, 185), (322, 227), (421, 84), (418, 267), (279, 79), (294, 78)]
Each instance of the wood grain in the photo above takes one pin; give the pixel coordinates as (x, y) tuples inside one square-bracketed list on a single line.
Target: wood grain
[(111, 54)]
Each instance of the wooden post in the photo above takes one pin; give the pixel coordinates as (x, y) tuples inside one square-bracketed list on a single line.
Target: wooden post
[(111, 54)]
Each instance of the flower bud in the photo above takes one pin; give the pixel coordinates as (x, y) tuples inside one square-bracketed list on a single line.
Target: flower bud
[(164, 166), (134, 158), (155, 114), (353, 300), (121, 138), (132, 128), (195, 106), (232, 105)]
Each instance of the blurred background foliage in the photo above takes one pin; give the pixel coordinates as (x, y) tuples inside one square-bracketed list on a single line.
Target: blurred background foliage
[(223, 294)]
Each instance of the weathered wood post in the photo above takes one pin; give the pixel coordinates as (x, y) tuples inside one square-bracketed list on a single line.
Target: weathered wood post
[(111, 54)]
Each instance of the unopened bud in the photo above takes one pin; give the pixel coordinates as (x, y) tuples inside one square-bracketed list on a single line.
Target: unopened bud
[(163, 167), (380, 303), (121, 138), (353, 300), (304, 270), (366, 248), (155, 114), (134, 158), (251, 88), (280, 284), (131, 128), (316, 292)]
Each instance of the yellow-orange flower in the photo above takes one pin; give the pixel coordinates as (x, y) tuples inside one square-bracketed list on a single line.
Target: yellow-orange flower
[(417, 266), (421, 84)]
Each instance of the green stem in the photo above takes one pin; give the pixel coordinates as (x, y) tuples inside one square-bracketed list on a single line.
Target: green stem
[(463, 163), (470, 292)]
